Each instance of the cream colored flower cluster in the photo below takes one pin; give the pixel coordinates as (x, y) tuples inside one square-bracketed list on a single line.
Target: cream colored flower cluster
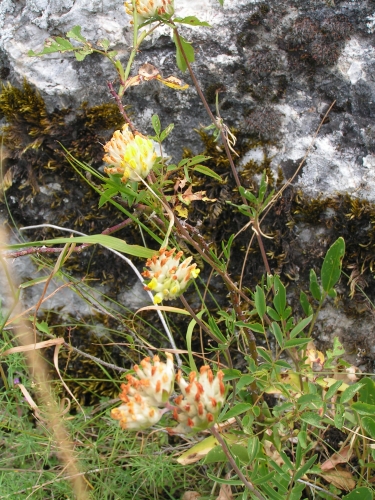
[(150, 8), (132, 156), (146, 397), (168, 277), (143, 396), (200, 402)]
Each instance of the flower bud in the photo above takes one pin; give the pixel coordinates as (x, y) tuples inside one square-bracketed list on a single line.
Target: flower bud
[(131, 156), (169, 278)]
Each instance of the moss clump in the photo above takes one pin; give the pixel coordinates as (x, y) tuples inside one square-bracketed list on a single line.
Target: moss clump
[(318, 42), (34, 134)]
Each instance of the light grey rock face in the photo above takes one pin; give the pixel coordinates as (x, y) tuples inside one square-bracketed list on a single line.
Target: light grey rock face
[(281, 64)]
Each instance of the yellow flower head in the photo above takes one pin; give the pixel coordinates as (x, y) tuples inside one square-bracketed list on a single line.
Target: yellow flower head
[(131, 156), (168, 277), (150, 8)]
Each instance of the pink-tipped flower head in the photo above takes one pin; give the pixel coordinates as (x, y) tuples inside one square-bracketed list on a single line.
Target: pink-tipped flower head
[(132, 156), (150, 8), (145, 393), (168, 277), (136, 416), (200, 402)]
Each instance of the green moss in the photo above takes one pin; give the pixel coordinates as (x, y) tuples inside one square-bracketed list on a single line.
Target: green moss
[(33, 130)]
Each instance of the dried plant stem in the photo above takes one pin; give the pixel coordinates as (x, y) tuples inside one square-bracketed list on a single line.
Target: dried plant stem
[(51, 410)]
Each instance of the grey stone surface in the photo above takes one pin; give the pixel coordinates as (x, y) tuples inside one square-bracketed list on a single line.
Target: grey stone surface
[(281, 65)]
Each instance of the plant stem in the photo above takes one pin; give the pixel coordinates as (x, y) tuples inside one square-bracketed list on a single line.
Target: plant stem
[(239, 473), (120, 106)]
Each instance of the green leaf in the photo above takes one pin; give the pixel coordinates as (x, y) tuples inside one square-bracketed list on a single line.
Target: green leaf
[(300, 326), (282, 364), (367, 392), (107, 195), (312, 419), (75, 34), (156, 124), (65, 44), (202, 169), (273, 314), (43, 327), (295, 343), (104, 43), (189, 334), (213, 456), (332, 390), (331, 268), (216, 330), (247, 194), (306, 306), (244, 381), (189, 162), (255, 327), (364, 409), (234, 482), (188, 50), (314, 286), (307, 399), (166, 132), (231, 374), (349, 392), (191, 20), (253, 447), (305, 468), (260, 301), (369, 426), (302, 439), (339, 416), (275, 329), (361, 493), (236, 410), (279, 300), (81, 54), (100, 239), (264, 354)]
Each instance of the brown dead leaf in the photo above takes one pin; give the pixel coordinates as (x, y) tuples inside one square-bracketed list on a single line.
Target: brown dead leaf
[(188, 196), (148, 71), (225, 492), (32, 347), (340, 478), (271, 451), (340, 457), (190, 495)]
